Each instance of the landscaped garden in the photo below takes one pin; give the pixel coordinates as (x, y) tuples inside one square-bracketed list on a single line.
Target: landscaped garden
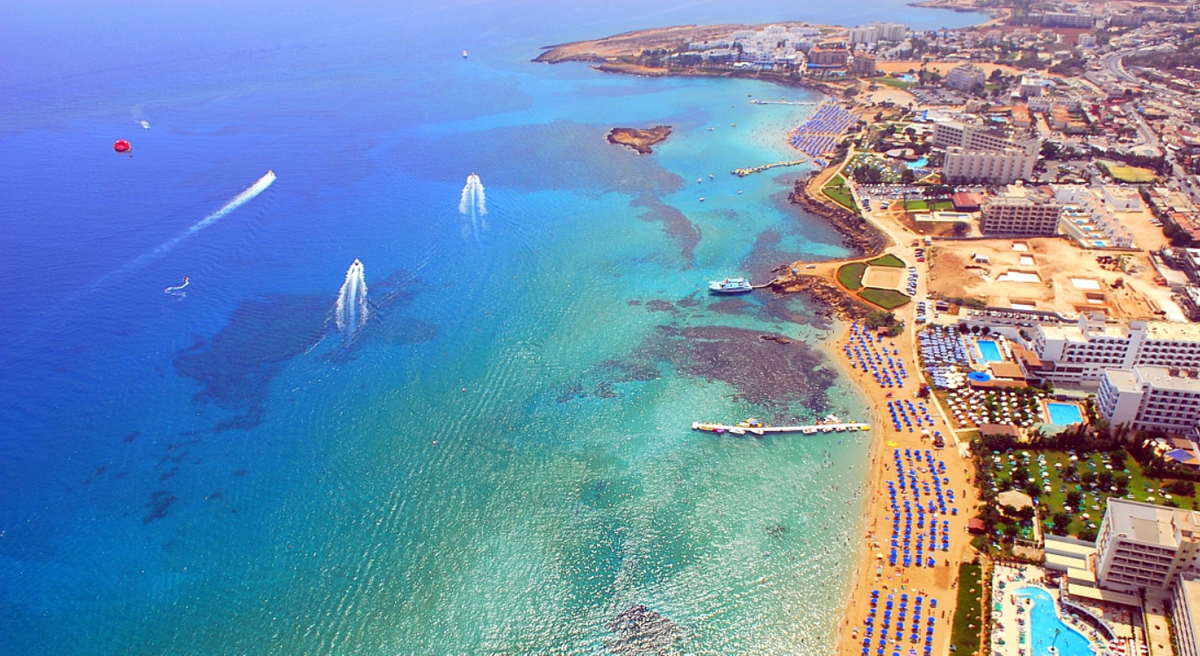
[(850, 275), (1070, 477), (837, 191), (924, 205), (887, 260), (968, 613), (888, 299)]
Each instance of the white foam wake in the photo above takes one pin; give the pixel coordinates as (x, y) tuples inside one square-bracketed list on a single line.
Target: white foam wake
[(473, 206), (473, 201), (351, 311), (237, 201)]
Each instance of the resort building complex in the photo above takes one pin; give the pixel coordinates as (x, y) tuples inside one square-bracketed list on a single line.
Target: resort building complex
[(1185, 614), (996, 166), (1151, 398), (1081, 353), (976, 138), (1021, 211), (1142, 546)]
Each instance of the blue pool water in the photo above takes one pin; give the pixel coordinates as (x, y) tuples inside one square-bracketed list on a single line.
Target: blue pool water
[(1064, 414), (989, 350), (1045, 625), (918, 164)]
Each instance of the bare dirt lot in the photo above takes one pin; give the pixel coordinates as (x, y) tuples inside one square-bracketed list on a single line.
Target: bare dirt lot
[(1061, 277), (882, 277)]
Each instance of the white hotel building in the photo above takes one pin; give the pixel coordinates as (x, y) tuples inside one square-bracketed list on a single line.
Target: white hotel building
[(1141, 545), (1080, 354), (977, 154), (1151, 398)]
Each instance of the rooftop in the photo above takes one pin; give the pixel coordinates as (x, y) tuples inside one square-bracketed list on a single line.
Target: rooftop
[(1164, 378), (1151, 524), (1173, 330), (1122, 380)]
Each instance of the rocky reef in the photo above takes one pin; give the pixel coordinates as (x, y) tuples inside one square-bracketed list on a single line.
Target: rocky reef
[(639, 140)]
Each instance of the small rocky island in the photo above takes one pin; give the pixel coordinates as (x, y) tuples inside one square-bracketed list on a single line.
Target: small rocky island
[(639, 140)]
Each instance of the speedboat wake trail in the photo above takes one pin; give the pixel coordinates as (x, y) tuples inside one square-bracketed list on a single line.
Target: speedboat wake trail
[(234, 203), (473, 206), (178, 290)]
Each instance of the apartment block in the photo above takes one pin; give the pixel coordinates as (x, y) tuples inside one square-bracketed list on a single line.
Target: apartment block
[(994, 166), (863, 65), (1020, 211), (1081, 353), (967, 77), (1089, 218), (1151, 398), (1185, 614), (1144, 546)]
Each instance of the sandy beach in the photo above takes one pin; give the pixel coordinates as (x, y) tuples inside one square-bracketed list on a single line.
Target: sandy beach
[(938, 582)]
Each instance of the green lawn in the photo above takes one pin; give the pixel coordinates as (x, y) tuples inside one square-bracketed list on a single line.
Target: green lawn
[(938, 205), (968, 611), (850, 275), (892, 82), (837, 191), (1094, 498), (887, 260), (1131, 174), (888, 299)]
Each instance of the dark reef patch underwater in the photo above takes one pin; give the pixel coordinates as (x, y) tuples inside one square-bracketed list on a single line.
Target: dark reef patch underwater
[(235, 368)]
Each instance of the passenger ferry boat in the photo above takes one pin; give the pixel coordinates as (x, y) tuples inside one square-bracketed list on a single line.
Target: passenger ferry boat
[(730, 286)]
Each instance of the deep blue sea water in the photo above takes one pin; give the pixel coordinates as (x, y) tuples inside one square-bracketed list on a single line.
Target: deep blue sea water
[(501, 461)]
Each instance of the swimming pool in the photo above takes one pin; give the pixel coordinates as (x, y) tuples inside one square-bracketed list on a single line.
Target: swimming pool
[(1064, 414), (1046, 628), (918, 164), (989, 350)]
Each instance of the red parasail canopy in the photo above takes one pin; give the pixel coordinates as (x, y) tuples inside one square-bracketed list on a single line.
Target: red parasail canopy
[(122, 146)]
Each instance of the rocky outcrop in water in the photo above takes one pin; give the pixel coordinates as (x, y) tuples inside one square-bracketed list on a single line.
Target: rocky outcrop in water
[(639, 140), (825, 294)]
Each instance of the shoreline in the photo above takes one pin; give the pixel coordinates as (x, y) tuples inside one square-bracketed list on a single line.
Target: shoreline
[(862, 235)]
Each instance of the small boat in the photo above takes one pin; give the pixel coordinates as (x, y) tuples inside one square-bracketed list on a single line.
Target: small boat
[(710, 129), (699, 180), (739, 191), (464, 54), (733, 125), (702, 199), (730, 286), (145, 124), (710, 176)]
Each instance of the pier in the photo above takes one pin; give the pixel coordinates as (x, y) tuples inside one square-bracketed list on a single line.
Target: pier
[(759, 431), (781, 102), (741, 173)]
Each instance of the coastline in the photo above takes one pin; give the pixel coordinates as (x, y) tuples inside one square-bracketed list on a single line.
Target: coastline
[(620, 54)]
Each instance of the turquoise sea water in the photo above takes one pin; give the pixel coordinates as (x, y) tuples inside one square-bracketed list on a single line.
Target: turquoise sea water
[(501, 461)]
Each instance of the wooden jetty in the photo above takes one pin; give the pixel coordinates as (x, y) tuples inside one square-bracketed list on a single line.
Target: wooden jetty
[(760, 430)]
